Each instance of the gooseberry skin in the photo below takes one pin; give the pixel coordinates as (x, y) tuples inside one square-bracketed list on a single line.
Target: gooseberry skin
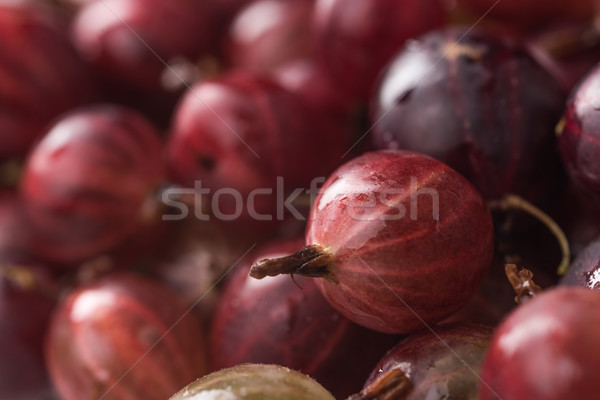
[(477, 103), (241, 131), (585, 269), (443, 365), (131, 40), (355, 39), (41, 75), (118, 322), (547, 349), (254, 382), (395, 275), (331, 112), (274, 321), (268, 33), (87, 181), (578, 138)]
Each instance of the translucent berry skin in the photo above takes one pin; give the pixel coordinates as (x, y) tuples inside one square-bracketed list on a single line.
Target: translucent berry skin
[(482, 106), (105, 328), (133, 39), (547, 349), (254, 382), (274, 321), (579, 137), (414, 267), (86, 183), (41, 75), (355, 39), (441, 365)]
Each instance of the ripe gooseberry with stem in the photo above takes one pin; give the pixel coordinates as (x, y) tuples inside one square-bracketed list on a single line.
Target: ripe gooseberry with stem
[(275, 322), (254, 381), (399, 241), (442, 363), (478, 103), (88, 183)]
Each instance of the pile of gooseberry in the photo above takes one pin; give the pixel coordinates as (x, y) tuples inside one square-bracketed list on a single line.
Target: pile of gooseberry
[(299, 199)]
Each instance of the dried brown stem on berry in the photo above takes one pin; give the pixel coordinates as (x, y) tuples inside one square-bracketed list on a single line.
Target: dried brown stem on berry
[(311, 261), (522, 282), (391, 385)]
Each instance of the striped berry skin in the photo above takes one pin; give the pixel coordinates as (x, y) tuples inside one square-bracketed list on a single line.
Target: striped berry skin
[(275, 321), (242, 131), (355, 39), (477, 103), (131, 40), (579, 134), (40, 75), (123, 337), (86, 183), (444, 365), (411, 240)]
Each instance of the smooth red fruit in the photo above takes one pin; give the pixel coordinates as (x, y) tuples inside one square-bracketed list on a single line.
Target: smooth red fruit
[(579, 134), (132, 40), (440, 364), (279, 321), (547, 349), (40, 74), (477, 103), (355, 39), (400, 240), (87, 184), (123, 337), (268, 33), (24, 315)]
